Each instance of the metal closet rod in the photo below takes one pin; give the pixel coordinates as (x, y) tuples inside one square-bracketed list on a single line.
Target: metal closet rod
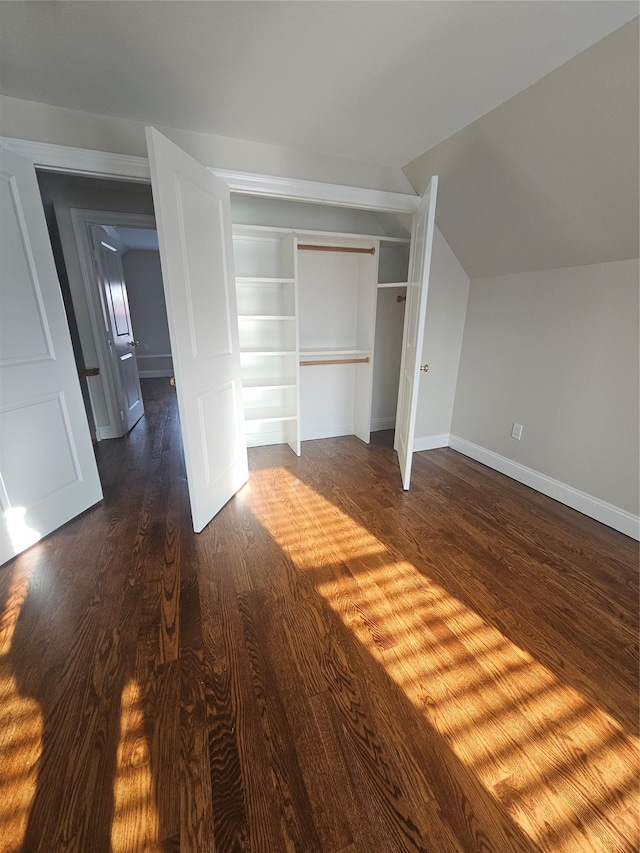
[(309, 247)]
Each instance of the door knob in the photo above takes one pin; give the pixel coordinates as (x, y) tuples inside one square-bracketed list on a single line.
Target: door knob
[(424, 367), (133, 343)]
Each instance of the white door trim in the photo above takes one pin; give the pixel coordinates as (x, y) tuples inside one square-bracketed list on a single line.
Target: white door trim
[(79, 161), (292, 189), (103, 164), (82, 221)]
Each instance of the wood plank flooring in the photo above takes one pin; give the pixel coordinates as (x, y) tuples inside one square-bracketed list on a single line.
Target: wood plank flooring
[(333, 665)]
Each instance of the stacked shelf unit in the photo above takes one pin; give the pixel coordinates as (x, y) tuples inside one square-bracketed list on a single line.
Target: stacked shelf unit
[(267, 298), (307, 303)]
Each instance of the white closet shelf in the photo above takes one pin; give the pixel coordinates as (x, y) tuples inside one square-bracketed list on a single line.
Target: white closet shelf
[(258, 280), (270, 384), (392, 284), (266, 317), (268, 413), (262, 351)]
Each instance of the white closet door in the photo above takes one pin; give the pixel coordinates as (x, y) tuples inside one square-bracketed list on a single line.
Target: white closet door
[(48, 472), (193, 216), (414, 321)]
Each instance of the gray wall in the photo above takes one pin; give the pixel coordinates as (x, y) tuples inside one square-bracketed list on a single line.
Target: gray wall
[(557, 351), (143, 277)]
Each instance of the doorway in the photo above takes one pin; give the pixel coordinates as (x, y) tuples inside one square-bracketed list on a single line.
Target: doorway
[(122, 213), (124, 291)]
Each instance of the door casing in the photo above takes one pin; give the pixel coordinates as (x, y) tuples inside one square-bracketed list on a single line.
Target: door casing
[(105, 383)]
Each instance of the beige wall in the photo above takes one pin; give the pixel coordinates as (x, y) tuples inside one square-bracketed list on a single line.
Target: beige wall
[(43, 123), (550, 178), (557, 351)]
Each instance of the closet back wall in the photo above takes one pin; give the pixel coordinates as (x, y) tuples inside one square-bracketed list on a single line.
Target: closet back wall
[(336, 304)]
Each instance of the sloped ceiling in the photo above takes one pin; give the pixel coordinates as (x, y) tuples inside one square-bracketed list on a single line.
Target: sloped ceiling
[(376, 81), (550, 178), (546, 179)]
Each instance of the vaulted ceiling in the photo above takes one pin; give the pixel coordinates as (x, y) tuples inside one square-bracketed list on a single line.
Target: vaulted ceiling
[(378, 81), (528, 110)]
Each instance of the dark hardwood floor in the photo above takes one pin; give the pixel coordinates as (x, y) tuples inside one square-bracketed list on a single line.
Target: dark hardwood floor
[(333, 665)]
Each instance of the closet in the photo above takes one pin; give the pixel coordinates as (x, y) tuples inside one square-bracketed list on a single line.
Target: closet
[(315, 309), (267, 304)]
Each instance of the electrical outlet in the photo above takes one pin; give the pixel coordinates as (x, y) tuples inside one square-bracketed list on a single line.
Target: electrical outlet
[(146, 347), (516, 431)]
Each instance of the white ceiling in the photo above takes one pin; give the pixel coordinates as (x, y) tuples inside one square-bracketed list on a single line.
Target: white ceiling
[(377, 81)]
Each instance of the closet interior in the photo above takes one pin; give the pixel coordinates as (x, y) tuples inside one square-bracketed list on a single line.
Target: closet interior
[(320, 317)]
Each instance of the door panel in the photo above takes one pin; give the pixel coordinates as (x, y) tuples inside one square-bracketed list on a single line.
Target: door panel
[(48, 473), (121, 334), (194, 230), (414, 322)]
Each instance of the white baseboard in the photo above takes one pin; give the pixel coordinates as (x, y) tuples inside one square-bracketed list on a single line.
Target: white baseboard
[(311, 433), (602, 511), (262, 439), (430, 442), (107, 432), (383, 423), (153, 374)]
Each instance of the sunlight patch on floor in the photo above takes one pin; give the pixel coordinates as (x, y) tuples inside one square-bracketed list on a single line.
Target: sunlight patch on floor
[(20, 745), (20, 728), (135, 815), (535, 743)]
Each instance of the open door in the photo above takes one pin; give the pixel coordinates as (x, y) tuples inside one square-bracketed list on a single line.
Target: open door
[(414, 320), (193, 216), (48, 472), (121, 339)]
